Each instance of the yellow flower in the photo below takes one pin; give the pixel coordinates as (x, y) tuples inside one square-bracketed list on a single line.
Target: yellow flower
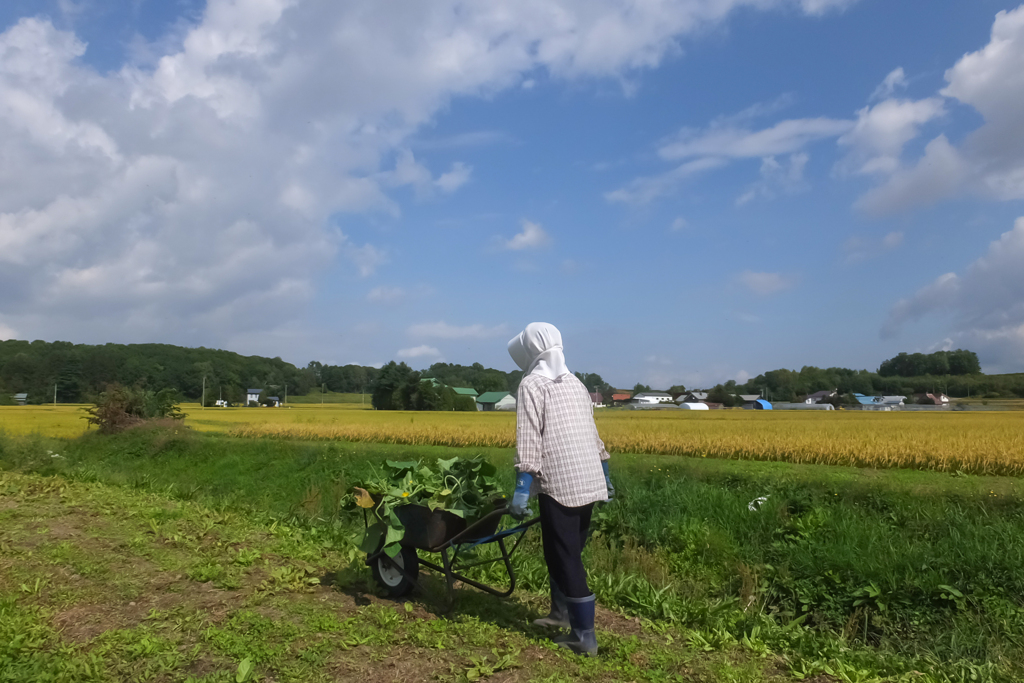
[(405, 494)]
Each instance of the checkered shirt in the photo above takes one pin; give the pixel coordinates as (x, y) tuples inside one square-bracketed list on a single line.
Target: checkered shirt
[(557, 441)]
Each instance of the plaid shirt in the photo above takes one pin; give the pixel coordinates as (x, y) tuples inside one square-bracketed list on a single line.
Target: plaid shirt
[(557, 441)]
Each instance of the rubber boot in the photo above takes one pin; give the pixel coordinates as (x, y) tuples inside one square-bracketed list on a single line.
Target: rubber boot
[(558, 617), (580, 638)]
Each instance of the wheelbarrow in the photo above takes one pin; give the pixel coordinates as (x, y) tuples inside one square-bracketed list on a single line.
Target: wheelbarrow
[(440, 531)]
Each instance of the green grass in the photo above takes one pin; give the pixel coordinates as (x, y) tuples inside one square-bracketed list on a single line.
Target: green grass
[(845, 570)]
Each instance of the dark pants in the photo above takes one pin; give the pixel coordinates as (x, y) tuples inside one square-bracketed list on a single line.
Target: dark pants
[(565, 532)]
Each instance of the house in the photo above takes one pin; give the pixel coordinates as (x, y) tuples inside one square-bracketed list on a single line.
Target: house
[(820, 396), (20, 399), (220, 403), (273, 401), (866, 400), (620, 398), (693, 397), (495, 400), (432, 382), (891, 400), (465, 391), (649, 397), (748, 399), (597, 400), (252, 396)]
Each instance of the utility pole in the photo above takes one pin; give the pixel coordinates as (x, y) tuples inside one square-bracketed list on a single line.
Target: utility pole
[(322, 395), (286, 394), (54, 395), (203, 404)]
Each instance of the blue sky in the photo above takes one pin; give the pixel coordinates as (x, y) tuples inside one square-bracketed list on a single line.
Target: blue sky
[(691, 190)]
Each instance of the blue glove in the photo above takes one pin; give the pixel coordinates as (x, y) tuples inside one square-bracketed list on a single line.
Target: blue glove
[(520, 506), (608, 480)]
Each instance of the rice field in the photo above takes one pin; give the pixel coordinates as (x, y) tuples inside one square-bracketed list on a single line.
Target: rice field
[(971, 442)]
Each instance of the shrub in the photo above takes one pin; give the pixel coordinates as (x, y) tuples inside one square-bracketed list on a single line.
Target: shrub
[(119, 408)]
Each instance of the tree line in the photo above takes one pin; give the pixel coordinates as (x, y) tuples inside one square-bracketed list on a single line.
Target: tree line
[(80, 372)]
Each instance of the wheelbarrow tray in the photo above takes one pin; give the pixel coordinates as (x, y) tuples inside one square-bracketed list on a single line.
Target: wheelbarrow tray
[(431, 530)]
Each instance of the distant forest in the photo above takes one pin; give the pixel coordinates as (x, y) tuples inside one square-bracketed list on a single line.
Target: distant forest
[(79, 372)]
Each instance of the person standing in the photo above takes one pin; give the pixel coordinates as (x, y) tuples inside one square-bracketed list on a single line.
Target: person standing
[(559, 456)]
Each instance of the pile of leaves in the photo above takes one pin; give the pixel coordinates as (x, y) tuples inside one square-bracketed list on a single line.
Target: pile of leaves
[(465, 487)]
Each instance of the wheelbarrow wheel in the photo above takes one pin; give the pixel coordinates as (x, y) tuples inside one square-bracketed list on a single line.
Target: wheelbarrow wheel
[(391, 573)]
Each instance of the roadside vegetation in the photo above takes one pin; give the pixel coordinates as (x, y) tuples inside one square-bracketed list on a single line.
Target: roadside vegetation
[(711, 569)]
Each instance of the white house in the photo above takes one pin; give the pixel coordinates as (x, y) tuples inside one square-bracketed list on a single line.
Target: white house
[(495, 400), (20, 399), (597, 400), (649, 397), (819, 396), (252, 396)]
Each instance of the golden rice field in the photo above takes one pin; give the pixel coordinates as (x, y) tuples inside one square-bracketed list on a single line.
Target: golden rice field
[(978, 442)]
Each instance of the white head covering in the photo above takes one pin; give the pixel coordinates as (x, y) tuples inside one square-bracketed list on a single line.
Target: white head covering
[(537, 350)]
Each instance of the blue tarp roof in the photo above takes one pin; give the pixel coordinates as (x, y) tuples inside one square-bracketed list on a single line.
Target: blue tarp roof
[(765, 405)]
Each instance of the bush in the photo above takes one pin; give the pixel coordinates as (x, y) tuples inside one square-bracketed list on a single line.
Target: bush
[(119, 408)]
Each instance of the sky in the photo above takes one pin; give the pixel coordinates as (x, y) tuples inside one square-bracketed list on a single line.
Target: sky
[(691, 190)]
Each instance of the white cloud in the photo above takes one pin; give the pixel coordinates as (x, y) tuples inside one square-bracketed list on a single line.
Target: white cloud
[(455, 178), (896, 80), (208, 176), (386, 295), (765, 284), (985, 304), (778, 177), (938, 175), (990, 161), (876, 141), (366, 258), (784, 137), (819, 7), (725, 140), (678, 224), (7, 332), (442, 330), (644, 190), (422, 351), (532, 237)]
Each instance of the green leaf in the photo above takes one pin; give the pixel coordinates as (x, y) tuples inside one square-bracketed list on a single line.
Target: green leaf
[(244, 672), (371, 538)]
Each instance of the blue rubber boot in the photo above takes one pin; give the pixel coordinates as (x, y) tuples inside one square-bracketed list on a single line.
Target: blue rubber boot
[(580, 638), (558, 617)]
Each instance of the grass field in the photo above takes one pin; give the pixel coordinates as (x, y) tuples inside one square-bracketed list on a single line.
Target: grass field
[(975, 442), (163, 556)]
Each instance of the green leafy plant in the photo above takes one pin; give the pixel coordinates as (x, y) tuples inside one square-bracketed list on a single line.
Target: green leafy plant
[(465, 487)]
